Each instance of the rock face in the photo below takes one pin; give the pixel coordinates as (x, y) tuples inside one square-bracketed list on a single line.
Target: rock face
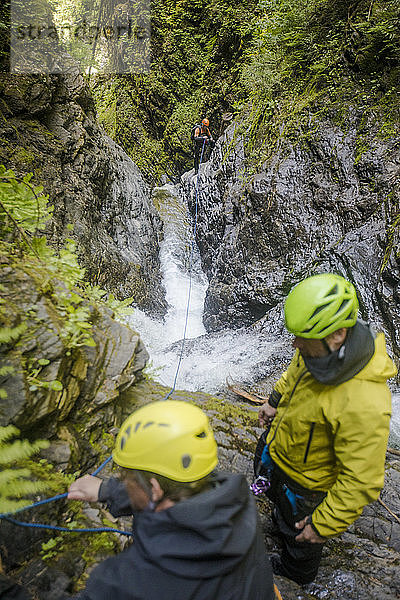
[(49, 128), (53, 380), (320, 205)]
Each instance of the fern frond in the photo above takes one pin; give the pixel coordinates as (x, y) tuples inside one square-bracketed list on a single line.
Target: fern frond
[(11, 334), (7, 432), (18, 488), (6, 370), (9, 506), (18, 450), (8, 475)]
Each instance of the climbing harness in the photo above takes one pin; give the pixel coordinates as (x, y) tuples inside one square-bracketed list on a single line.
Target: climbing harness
[(7, 516)]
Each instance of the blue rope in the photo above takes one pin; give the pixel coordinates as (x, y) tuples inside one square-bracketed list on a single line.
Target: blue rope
[(7, 517), (190, 281), (66, 529)]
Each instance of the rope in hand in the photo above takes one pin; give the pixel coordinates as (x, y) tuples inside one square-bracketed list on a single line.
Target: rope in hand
[(7, 517)]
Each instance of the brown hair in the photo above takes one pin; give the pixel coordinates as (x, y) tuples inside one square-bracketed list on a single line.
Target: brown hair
[(173, 490)]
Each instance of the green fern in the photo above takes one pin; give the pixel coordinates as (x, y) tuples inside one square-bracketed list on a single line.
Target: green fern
[(21, 203), (15, 483)]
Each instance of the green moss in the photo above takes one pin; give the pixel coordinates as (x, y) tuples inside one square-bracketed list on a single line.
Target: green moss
[(24, 156)]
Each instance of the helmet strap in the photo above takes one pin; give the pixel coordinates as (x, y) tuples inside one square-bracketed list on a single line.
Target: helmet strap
[(152, 505), (325, 343)]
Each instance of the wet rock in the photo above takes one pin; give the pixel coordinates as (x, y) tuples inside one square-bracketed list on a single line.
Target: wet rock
[(314, 207), (58, 453), (50, 583), (87, 378), (51, 130)]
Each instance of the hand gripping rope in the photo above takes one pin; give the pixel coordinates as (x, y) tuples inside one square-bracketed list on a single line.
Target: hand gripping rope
[(7, 516)]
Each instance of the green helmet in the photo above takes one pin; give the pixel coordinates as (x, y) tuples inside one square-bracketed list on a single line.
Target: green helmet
[(320, 305)]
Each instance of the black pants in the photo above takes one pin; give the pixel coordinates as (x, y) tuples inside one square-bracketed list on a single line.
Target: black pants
[(198, 149), (300, 560)]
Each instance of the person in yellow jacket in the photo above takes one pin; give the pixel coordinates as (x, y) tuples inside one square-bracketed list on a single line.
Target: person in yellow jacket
[(322, 458)]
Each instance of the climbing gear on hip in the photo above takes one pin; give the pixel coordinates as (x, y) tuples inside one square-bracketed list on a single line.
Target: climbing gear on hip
[(263, 467), (260, 485)]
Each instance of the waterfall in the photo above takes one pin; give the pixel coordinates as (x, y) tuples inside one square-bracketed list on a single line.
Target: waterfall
[(208, 359)]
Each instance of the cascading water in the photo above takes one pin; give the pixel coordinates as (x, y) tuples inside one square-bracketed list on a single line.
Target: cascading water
[(208, 359), (394, 438)]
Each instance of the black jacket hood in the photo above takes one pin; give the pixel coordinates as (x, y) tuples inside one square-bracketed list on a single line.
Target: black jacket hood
[(209, 547), (204, 536)]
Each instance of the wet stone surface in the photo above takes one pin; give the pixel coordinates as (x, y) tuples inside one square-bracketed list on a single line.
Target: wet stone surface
[(315, 208)]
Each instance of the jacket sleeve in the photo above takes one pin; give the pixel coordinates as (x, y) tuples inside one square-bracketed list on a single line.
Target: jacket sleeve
[(113, 493), (360, 433)]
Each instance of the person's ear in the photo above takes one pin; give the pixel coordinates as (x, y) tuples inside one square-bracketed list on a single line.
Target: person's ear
[(157, 493), (336, 339)]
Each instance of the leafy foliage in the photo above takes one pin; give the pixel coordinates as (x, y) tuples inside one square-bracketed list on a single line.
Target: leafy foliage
[(268, 61), (25, 211), (197, 51), (323, 56), (15, 483), (22, 205)]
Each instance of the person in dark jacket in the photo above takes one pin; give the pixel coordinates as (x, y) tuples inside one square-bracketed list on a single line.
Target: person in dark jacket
[(203, 143), (196, 533)]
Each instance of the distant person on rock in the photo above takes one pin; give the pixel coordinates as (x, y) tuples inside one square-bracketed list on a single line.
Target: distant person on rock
[(203, 143), (322, 459), (196, 533)]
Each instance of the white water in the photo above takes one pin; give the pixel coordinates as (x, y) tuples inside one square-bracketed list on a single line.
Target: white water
[(208, 359), (394, 438)]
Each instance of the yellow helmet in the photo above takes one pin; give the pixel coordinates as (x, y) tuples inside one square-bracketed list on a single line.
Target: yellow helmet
[(171, 438)]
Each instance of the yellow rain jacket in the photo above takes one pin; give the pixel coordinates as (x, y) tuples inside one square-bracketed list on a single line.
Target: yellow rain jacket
[(334, 438)]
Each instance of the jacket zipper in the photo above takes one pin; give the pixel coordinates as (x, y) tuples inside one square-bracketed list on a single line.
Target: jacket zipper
[(290, 397), (309, 442)]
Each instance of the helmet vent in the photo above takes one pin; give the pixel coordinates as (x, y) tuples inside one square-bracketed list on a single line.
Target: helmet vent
[(344, 303), (318, 309), (333, 291), (163, 424), (148, 424), (186, 460), (201, 435), (137, 426)]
